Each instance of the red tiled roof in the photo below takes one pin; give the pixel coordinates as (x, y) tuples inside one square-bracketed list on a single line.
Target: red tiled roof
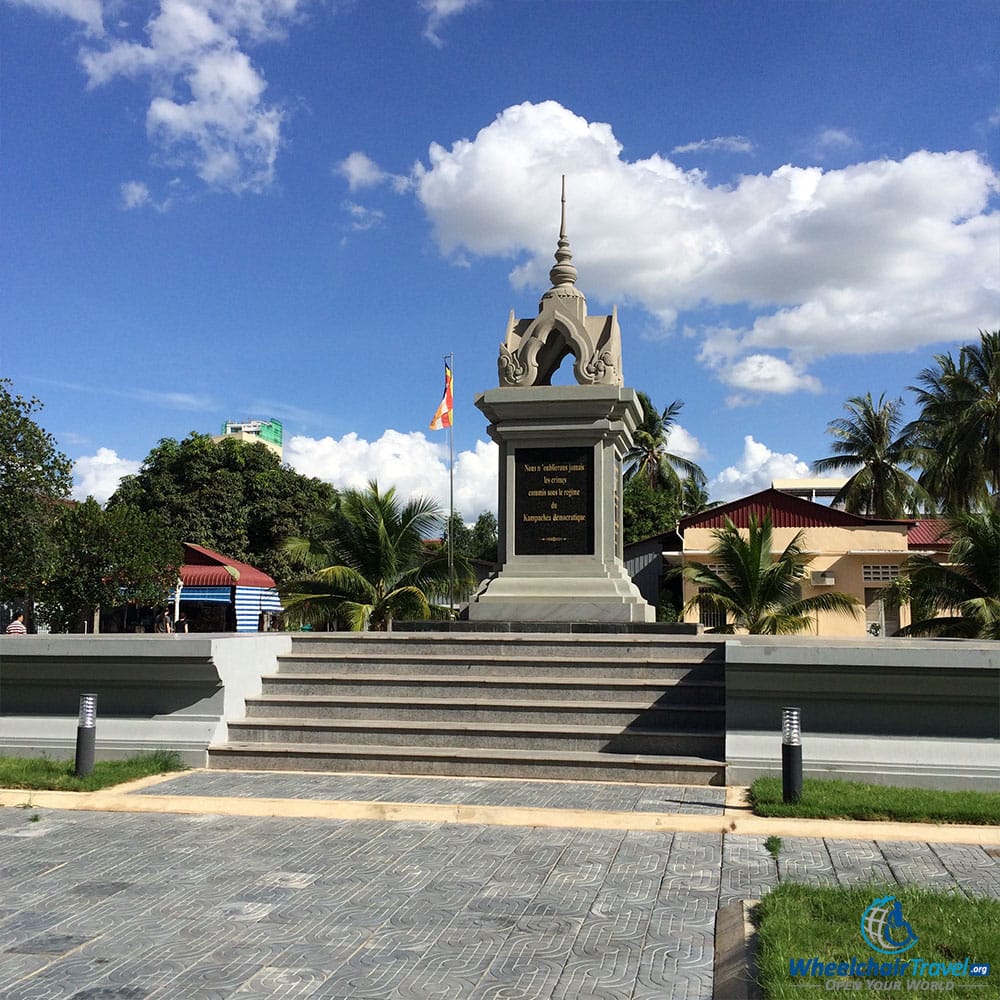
[(786, 511), (205, 568), (929, 534)]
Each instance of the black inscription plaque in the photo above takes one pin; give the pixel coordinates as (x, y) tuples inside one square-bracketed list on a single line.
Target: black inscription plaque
[(554, 501)]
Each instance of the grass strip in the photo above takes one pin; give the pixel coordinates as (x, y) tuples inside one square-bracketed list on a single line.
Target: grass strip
[(41, 773), (856, 800), (806, 922)]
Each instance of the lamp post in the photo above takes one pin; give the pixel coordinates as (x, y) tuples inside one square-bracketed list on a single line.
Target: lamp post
[(86, 732), (791, 755)]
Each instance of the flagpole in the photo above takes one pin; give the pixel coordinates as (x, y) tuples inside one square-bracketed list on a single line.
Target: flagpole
[(450, 359)]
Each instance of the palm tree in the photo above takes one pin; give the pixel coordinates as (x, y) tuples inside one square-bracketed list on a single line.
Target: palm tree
[(649, 456), (757, 592), (369, 562), (958, 430), (868, 438), (963, 595)]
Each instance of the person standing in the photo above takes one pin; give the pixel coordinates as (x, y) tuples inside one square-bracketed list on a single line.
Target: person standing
[(17, 626), (162, 622), (181, 625)]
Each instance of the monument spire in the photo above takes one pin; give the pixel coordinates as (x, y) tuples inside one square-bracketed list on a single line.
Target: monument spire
[(563, 272)]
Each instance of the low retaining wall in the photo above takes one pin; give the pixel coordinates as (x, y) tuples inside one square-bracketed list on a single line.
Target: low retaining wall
[(886, 711), (170, 692), (889, 711)]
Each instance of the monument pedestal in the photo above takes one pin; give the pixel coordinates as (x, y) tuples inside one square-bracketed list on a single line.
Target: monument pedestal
[(560, 505)]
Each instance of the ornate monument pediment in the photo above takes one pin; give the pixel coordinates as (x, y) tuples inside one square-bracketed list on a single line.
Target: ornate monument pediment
[(533, 349), (561, 449)]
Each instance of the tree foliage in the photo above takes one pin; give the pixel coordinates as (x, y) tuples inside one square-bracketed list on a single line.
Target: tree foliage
[(647, 511), (758, 592), (961, 596), (105, 559), (477, 542), (231, 496), (958, 429), (870, 438), (649, 456), (369, 561), (34, 477)]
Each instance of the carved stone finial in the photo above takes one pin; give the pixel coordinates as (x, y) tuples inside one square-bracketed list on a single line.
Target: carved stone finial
[(563, 272), (533, 349)]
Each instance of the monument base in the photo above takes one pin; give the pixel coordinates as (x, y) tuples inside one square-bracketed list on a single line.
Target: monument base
[(560, 589), (560, 537)]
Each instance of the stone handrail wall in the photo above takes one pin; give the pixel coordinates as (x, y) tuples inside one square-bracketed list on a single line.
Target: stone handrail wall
[(889, 711), (172, 692)]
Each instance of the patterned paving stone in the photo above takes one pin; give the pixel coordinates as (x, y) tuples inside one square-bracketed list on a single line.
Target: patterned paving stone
[(806, 860), (458, 791), (159, 907)]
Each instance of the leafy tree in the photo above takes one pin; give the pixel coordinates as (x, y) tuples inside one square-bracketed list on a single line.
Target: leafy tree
[(962, 597), (647, 511), (460, 534), (232, 496), (477, 542), (694, 497), (483, 544), (34, 477), (958, 429), (105, 559), (369, 561), (870, 437), (759, 593), (649, 456)]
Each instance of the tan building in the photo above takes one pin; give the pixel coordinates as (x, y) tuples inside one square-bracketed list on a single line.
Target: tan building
[(848, 553), (266, 432)]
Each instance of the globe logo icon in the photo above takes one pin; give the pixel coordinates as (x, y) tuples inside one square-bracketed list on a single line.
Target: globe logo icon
[(884, 929)]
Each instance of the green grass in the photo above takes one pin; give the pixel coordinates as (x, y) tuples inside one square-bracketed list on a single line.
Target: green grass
[(854, 800), (797, 921), (40, 773)]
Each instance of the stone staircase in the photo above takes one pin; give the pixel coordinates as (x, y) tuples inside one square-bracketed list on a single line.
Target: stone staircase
[(647, 708)]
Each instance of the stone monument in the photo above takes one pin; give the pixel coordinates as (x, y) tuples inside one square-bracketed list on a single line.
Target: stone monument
[(561, 454)]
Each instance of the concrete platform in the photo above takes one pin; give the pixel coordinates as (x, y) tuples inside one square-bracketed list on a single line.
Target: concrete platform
[(225, 885)]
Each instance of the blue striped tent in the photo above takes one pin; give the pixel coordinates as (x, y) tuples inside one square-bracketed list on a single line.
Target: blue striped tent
[(208, 576)]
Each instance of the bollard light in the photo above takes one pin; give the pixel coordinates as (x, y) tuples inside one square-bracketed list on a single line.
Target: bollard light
[(86, 732), (791, 728), (791, 755), (88, 711)]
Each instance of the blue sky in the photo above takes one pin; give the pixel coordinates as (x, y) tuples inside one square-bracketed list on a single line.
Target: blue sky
[(220, 210)]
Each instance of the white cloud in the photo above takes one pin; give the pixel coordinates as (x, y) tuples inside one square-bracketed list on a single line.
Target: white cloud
[(683, 443), (361, 171), (98, 475), (170, 400), (411, 462), (134, 194), (363, 218), (757, 468), (438, 11), (831, 141), (207, 109), (886, 255), (720, 144), (85, 12), (766, 373)]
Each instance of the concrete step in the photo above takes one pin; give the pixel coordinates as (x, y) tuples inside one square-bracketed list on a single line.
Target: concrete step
[(478, 736), (442, 664), (390, 687), (484, 762), (512, 645), (678, 707)]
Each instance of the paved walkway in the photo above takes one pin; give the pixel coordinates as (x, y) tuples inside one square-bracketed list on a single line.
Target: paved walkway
[(126, 905)]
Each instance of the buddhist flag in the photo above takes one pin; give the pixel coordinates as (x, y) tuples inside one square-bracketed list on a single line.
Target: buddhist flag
[(442, 418)]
